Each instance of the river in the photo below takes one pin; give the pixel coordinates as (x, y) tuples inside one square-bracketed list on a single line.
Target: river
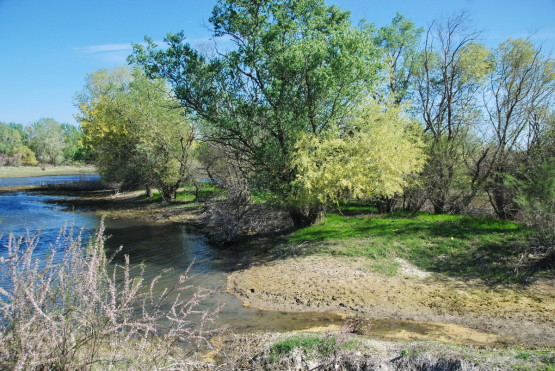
[(160, 247)]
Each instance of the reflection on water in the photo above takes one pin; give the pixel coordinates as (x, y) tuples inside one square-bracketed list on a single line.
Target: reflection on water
[(160, 248)]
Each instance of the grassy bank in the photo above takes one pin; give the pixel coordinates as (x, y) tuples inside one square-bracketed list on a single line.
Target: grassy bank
[(454, 245), (28, 171), (188, 192), (346, 351)]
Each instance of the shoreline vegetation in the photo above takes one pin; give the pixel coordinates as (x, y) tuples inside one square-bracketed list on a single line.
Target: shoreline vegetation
[(372, 269), (400, 176)]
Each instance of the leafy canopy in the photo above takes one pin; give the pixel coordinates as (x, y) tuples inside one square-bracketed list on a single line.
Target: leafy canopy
[(296, 67), (140, 135), (372, 157)]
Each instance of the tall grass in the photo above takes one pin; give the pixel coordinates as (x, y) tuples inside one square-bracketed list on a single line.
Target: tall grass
[(77, 310)]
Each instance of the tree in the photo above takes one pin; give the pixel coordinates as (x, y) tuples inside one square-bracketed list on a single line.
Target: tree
[(140, 135), (73, 144), (533, 189), (46, 140), (453, 65), (372, 157), (10, 139), (518, 101), (297, 67), (399, 43)]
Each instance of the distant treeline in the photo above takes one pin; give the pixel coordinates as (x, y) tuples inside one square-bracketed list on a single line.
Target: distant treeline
[(45, 141)]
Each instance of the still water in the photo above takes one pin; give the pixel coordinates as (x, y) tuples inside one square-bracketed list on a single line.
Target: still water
[(160, 248)]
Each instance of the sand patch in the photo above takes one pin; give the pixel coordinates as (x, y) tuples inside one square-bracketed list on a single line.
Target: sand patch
[(525, 316)]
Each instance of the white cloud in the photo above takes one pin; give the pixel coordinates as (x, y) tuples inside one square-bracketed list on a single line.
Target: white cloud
[(104, 48), (118, 53), (112, 54)]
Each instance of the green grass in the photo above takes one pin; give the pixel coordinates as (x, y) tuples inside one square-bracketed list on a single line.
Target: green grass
[(27, 171), (309, 344), (456, 245), (258, 196), (187, 193)]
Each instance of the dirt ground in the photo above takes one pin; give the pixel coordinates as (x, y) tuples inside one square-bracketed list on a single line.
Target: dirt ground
[(131, 205), (446, 309)]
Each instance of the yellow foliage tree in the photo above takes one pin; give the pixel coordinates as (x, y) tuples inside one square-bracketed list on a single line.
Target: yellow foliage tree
[(372, 156), (140, 134)]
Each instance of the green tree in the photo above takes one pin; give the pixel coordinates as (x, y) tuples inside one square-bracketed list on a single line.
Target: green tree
[(453, 67), (533, 189), (10, 139), (399, 43), (520, 99), (297, 67), (46, 140), (140, 135), (12, 147), (73, 147)]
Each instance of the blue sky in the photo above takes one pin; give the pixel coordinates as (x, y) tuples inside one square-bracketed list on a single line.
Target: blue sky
[(48, 46)]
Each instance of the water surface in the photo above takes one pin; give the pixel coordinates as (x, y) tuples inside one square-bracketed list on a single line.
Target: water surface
[(48, 179), (163, 249)]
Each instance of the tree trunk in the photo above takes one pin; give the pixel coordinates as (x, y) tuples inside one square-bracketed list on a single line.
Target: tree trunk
[(306, 216), (503, 203), (148, 191), (438, 204), (168, 193), (386, 204), (502, 197)]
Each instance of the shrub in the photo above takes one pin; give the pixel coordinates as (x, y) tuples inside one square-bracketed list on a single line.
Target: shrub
[(77, 310), (27, 156), (238, 215), (536, 197)]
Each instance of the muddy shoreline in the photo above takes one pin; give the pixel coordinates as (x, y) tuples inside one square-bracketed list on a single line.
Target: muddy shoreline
[(521, 316), (117, 205), (450, 310)]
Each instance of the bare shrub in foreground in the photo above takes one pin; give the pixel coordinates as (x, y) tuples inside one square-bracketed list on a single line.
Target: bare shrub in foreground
[(225, 218), (76, 310), (238, 216)]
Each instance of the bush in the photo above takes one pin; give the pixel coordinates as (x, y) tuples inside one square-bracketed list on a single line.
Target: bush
[(238, 215), (77, 310), (28, 156), (536, 198)]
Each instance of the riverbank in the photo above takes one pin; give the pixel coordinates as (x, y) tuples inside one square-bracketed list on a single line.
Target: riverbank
[(130, 205), (112, 204), (521, 316), (32, 171), (341, 271), (470, 276), (338, 349)]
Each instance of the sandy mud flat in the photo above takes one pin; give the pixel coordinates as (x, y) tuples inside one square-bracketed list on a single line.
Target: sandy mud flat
[(523, 316)]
